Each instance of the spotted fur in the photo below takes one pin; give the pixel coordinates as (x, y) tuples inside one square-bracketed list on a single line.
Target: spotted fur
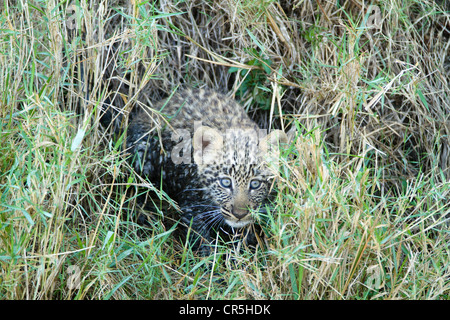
[(223, 178)]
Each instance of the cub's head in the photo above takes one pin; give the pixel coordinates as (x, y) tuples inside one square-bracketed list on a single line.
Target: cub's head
[(236, 167)]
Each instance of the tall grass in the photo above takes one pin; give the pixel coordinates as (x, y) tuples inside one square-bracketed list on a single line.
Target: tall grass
[(361, 204)]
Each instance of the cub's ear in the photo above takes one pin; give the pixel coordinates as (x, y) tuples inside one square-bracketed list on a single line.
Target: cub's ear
[(274, 138), (208, 144), (269, 145)]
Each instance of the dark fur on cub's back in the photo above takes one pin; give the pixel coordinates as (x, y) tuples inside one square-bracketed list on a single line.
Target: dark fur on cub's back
[(217, 182)]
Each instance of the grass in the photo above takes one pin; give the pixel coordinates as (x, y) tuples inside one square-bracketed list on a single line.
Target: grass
[(361, 203)]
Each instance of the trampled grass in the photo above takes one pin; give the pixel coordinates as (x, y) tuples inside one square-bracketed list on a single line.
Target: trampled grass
[(360, 207)]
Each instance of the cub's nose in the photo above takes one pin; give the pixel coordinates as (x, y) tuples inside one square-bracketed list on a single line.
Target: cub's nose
[(239, 213)]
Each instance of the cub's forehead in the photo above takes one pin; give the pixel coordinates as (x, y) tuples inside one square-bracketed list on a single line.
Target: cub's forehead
[(241, 150), (245, 172)]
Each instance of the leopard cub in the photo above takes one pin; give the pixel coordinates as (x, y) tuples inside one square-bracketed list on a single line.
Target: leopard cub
[(210, 157)]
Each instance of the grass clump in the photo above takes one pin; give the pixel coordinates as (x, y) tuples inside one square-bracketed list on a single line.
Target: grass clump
[(361, 203)]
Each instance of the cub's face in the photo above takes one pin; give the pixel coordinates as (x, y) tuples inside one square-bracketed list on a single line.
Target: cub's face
[(234, 168), (237, 190)]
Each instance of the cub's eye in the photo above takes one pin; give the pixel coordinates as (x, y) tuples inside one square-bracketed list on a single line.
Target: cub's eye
[(255, 184), (225, 182)]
